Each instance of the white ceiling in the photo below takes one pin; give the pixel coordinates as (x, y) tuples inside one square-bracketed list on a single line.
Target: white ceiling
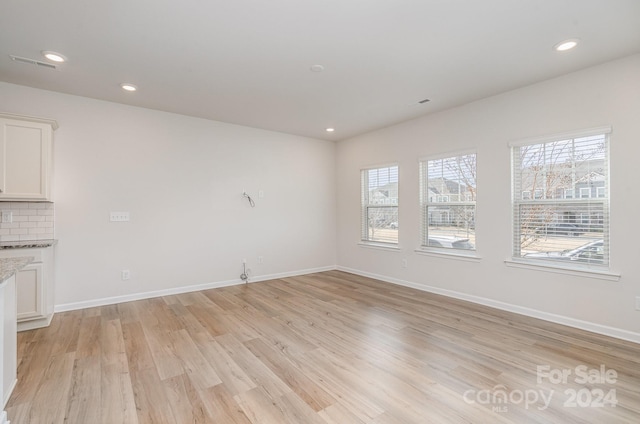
[(248, 61)]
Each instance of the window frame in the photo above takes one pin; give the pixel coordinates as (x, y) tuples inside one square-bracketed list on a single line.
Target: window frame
[(365, 205), (427, 201), (571, 196)]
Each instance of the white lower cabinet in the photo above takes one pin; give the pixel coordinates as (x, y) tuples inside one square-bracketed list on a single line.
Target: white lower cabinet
[(8, 342), (34, 286), (30, 294)]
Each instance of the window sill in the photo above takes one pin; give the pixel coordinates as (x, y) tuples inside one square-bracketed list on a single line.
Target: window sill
[(453, 254), (380, 246), (558, 269)]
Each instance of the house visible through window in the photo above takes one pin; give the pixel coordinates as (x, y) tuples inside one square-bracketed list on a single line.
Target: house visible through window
[(448, 202), (572, 229), (380, 205)]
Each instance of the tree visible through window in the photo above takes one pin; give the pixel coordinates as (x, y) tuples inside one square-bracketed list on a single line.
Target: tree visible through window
[(448, 202), (567, 220), (380, 204)]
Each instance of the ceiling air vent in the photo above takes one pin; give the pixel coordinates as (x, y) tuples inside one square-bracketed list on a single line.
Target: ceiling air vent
[(32, 62)]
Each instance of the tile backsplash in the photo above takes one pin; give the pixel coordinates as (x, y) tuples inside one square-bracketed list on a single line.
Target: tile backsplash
[(29, 221)]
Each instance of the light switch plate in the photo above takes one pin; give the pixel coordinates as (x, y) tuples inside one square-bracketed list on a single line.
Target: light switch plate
[(119, 216)]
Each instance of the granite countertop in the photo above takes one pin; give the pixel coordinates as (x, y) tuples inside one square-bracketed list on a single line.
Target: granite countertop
[(10, 266), (28, 244)]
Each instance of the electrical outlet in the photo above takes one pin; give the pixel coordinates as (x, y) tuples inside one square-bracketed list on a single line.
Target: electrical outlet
[(119, 217), (7, 217), (260, 259), (261, 194), (637, 303), (126, 274)]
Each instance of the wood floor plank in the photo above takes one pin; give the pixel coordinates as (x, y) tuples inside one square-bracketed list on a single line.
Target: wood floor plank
[(185, 401), (116, 386), (338, 414), (89, 337), (49, 403), (194, 364), (151, 398), (31, 370), (116, 391), (290, 373), (350, 393), (214, 322), (255, 369), (160, 346), (225, 301), (222, 406), (233, 377), (128, 312), (136, 347), (261, 408), (84, 396), (323, 348)]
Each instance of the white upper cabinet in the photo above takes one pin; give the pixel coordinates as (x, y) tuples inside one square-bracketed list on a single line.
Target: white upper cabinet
[(26, 157)]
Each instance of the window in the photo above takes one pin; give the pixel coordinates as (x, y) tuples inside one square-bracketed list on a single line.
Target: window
[(573, 230), (448, 222), (380, 205), (585, 192)]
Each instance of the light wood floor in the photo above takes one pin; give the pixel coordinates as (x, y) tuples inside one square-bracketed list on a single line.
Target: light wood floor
[(324, 348)]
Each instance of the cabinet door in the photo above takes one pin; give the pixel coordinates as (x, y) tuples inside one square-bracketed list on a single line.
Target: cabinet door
[(30, 292), (8, 340), (25, 156)]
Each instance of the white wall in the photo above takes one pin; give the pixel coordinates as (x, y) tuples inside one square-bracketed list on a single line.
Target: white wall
[(608, 94), (181, 179)]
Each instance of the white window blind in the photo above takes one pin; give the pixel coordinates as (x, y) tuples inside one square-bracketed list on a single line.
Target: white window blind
[(567, 221), (380, 204), (448, 202)]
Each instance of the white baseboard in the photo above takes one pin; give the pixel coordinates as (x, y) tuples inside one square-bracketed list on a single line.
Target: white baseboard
[(534, 313), (8, 393), (185, 289), (35, 323)]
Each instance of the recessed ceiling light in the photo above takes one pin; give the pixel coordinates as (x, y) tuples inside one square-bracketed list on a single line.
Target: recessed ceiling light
[(317, 68), (128, 87), (54, 56), (566, 45), (330, 129)]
